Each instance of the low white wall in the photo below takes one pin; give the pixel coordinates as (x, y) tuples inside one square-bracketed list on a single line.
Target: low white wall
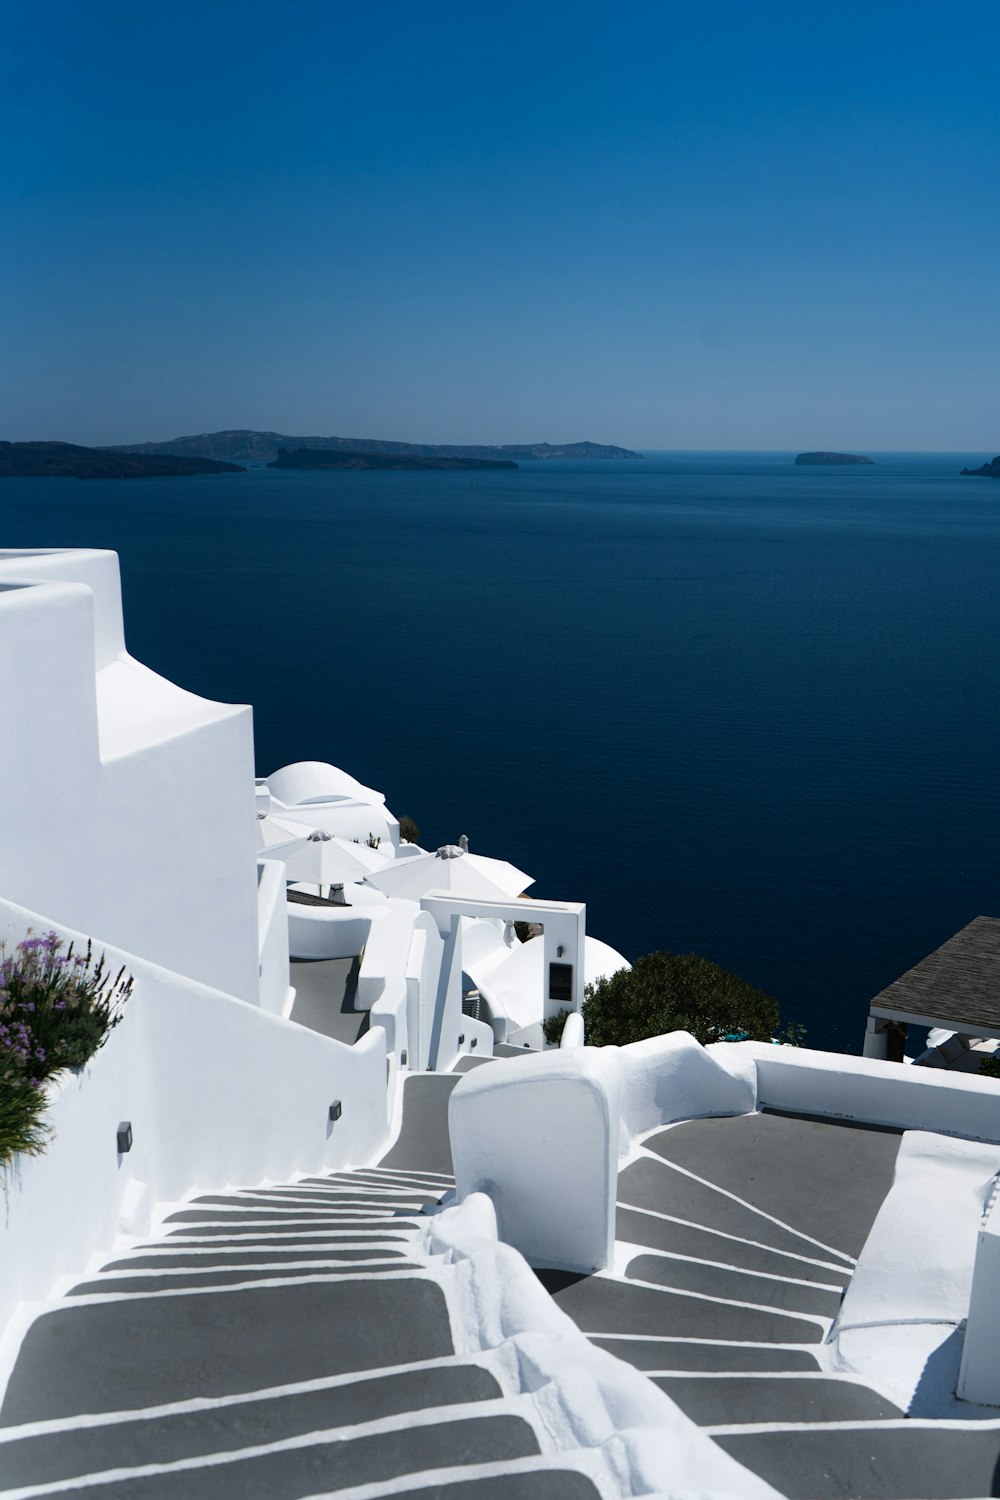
[(879, 1093), (673, 1077), (979, 1376), (634, 1440), (326, 932), (218, 1093), (272, 936), (539, 1136)]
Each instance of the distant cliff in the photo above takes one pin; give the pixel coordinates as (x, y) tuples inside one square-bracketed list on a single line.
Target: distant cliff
[(832, 458), (324, 458), (249, 447), (70, 461), (988, 471)]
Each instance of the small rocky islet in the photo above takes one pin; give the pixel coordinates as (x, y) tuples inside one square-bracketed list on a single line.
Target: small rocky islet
[(822, 459)]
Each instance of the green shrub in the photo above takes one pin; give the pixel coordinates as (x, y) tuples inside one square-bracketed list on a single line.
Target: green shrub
[(673, 992), (408, 830), (56, 1010), (990, 1067)]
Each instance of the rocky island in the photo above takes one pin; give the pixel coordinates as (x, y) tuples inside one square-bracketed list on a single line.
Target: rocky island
[(325, 458), (987, 471), (246, 446), (71, 461), (833, 458)]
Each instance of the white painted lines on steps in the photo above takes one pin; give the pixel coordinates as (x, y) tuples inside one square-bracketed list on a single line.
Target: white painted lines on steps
[(746, 1204)]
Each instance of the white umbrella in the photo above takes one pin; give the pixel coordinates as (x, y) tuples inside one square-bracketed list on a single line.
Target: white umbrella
[(274, 833), (450, 869), (321, 859)]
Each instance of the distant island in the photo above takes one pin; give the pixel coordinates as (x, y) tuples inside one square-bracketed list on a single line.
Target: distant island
[(988, 471), (324, 458), (70, 461), (832, 458), (245, 446)]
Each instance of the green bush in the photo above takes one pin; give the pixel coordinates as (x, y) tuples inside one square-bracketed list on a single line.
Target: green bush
[(673, 992), (408, 830), (56, 1010), (990, 1067)]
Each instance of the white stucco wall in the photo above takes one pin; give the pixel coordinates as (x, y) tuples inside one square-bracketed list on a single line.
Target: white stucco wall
[(539, 1136), (218, 1093), (128, 803)]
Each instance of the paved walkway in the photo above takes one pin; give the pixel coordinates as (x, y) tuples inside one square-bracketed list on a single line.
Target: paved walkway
[(325, 994), (276, 1343)]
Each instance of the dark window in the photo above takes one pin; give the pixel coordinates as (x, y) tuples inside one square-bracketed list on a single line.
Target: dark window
[(561, 983)]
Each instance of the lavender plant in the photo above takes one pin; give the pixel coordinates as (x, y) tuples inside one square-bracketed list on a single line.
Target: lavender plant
[(57, 1008)]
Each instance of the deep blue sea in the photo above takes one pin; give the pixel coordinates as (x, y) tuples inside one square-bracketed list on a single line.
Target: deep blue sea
[(735, 706)]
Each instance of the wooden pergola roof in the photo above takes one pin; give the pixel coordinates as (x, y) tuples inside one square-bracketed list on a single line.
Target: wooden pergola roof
[(957, 986)]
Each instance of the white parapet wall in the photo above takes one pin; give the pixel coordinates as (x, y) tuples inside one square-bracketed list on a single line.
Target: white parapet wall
[(218, 1093), (874, 1092), (979, 1377), (128, 804)]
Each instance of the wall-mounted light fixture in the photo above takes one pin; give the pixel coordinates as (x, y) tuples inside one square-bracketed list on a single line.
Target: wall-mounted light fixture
[(124, 1136), (474, 1043), (335, 1110), (559, 951), (402, 1058), (461, 1039)]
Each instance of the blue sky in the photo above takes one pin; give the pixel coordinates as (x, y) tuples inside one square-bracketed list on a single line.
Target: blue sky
[(666, 225)]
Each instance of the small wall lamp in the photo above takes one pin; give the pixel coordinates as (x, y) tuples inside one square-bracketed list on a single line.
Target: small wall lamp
[(336, 1110), (560, 951), (124, 1136)]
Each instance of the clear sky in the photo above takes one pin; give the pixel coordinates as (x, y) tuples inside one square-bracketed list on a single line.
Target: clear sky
[(708, 224)]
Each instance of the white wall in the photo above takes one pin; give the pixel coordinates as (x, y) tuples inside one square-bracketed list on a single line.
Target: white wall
[(879, 1093), (127, 803), (539, 1136), (218, 1093), (272, 936)]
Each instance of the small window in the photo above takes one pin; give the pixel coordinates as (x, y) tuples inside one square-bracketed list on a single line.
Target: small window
[(561, 983)]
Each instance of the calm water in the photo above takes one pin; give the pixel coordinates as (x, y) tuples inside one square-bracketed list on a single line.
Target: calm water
[(735, 706)]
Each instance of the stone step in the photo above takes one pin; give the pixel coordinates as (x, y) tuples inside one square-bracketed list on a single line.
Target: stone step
[(349, 1225), (697, 1354), (213, 1257), (652, 1184), (316, 1198), (138, 1352), (186, 1280), (278, 1216), (345, 1229), (825, 1178), (911, 1461), (53, 1456), (344, 1461), (715, 1400), (604, 1304), (535, 1482), (705, 1244), (735, 1286)]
